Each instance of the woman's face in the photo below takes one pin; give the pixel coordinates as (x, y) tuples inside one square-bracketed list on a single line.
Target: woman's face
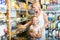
[(35, 8)]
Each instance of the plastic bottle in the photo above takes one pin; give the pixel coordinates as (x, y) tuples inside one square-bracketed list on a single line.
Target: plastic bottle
[(54, 1), (44, 7), (42, 1), (53, 18), (53, 25), (47, 1), (50, 17)]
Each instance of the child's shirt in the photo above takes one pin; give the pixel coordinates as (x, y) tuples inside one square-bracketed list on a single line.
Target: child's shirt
[(35, 29)]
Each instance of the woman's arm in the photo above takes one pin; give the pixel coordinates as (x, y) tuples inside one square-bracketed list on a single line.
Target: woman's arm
[(46, 20)]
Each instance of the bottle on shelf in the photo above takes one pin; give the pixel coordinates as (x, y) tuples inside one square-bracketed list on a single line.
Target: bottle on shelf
[(44, 7), (47, 1), (58, 1), (53, 26), (42, 1), (23, 18), (50, 17), (2, 17), (49, 8), (54, 1)]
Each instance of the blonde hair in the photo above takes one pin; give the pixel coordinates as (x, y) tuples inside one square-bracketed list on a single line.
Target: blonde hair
[(38, 6)]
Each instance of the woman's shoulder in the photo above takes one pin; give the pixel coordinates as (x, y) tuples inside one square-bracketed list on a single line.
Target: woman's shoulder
[(43, 13)]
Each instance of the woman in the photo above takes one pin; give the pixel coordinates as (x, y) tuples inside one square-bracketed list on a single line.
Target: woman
[(42, 18)]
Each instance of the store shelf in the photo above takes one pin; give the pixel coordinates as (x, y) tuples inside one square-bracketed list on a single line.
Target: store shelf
[(51, 11)]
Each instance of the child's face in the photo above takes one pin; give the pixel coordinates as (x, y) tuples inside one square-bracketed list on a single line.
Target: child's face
[(34, 20)]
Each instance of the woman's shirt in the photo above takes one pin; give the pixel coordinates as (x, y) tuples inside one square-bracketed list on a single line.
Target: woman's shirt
[(40, 20)]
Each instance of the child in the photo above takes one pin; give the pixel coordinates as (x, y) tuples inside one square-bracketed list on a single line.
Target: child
[(35, 31)]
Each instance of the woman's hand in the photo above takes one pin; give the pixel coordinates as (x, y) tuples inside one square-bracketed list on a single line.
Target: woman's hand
[(39, 33)]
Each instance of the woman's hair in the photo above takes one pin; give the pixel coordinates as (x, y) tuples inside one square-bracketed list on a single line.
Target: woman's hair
[(34, 4)]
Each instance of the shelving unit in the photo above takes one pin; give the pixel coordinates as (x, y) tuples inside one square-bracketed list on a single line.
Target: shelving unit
[(21, 26), (8, 18)]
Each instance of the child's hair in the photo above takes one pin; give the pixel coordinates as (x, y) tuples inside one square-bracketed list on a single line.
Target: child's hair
[(33, 19), (58, 17)]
